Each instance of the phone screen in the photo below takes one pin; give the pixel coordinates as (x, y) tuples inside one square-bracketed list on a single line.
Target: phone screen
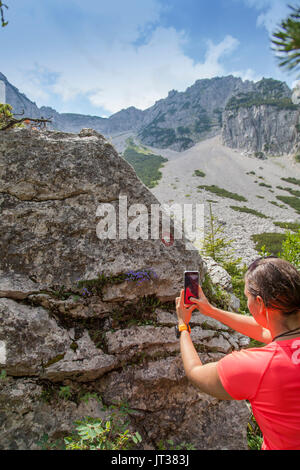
[(191, 283)]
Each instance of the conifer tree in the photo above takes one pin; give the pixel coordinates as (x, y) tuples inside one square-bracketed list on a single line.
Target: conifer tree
[(287, 40)]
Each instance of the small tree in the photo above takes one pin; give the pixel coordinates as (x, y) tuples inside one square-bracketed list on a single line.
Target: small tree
[(215, 244)]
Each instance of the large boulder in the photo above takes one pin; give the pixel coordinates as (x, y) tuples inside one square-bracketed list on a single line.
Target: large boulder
[(84, 316)]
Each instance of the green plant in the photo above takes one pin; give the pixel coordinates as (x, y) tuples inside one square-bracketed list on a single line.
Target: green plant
[(199, 173), (87, 396), (237, 272), (65, 392), (104, 434), (291, 248), (249, 211), (294, 192), (46, 444), (265, 185), (292, 180), (215, 244), (288, 225), (3, 375), (271, 241), (222, 192), (215, 294), (287, 40), (292, 201), (254, 434)]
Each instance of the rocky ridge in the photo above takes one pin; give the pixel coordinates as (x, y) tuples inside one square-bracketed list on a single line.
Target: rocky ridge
[(258, 117)]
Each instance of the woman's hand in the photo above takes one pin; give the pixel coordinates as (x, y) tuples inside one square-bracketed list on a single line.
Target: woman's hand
[(184, 313), (202, 304)]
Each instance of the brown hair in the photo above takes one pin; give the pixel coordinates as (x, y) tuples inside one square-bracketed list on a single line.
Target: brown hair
[(277, 282)]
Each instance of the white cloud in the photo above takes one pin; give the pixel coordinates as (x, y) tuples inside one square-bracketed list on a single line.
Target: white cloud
[(272, 12), (138, 76), (113, 54)]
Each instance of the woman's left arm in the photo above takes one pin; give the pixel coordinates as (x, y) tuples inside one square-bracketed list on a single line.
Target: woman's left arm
[(205, 377)]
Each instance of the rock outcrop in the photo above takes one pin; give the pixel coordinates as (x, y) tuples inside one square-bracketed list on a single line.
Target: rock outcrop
[(95, 315), (261, 130), (262, 122)]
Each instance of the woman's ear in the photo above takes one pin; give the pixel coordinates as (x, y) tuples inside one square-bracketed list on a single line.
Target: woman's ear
[(260, 304)]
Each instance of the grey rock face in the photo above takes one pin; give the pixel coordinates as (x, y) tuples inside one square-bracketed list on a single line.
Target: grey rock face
[(54, 333), (262, 128), (51, 186), (31, 338)]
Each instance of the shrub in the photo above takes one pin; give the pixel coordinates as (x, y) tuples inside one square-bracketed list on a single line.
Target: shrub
[(99, 434), (291, 248), (249, 211), (288, 225), (271, 241), (292, 201), (199, 173), (292, 180), (222, 192)]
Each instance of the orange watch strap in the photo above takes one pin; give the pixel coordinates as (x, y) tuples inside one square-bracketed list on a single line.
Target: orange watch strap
[(184, 327)]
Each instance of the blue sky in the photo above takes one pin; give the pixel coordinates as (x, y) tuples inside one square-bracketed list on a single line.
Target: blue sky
[(98, 57)]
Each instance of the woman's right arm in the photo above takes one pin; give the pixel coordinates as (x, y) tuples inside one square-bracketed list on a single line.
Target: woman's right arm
[(244, 324)]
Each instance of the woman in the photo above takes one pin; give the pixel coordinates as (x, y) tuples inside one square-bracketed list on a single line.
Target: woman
[(269, 376)]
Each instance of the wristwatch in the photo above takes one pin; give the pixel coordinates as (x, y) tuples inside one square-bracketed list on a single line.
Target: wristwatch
[(180, 328)]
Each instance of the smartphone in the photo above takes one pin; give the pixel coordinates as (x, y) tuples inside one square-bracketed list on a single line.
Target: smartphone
[(191, 286)]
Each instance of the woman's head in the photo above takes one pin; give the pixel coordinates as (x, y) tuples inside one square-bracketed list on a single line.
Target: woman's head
[(276, 283)]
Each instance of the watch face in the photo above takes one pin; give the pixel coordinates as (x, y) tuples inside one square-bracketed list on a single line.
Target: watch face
[(177, 332)]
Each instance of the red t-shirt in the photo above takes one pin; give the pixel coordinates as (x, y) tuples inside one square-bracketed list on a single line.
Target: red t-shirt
[(269, 377)]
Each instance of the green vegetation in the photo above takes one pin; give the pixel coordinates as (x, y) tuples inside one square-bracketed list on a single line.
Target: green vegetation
[(254, 435), (292, 201), (278, 205), (247, 100), (297, 158), (288, 225), (291, 248), (219, 248), (291, 180), (260, 197), (286, 40), (294, 192), (265, 185), (271, 241), (215, 245), (111, 433), (249, 211), (222, 192), (145, 164), (199, 173), (65, 392)]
